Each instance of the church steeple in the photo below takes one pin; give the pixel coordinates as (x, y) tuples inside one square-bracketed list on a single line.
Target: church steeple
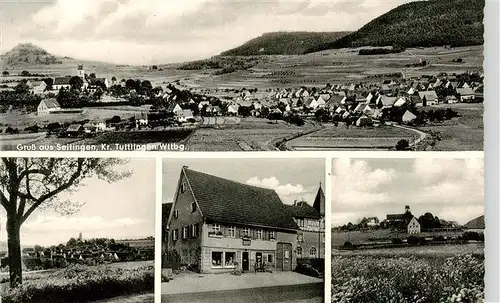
[(319, 201)]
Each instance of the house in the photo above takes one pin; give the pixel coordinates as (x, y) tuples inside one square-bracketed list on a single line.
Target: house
[(311, 237), (47, 106), (408, 116), (364, 121), (61, 82), (429, 98), (413, 227), (451, 99), (202, 104), (475, 225), (174, 108), (37, 87), (74, 130), (216, 111), (89, 128), (386, 101), (185, 115), (400, 102), (232, 109), (466, 94), (218, 225), (141, 119), (165, 212), (372, 221)]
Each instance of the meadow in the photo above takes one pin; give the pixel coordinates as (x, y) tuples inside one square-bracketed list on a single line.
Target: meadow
[(452, 273), (80, 283)]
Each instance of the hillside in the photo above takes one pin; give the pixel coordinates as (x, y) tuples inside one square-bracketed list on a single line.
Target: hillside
[(284, 43), (28, 53), (423, 23), (477, 223)]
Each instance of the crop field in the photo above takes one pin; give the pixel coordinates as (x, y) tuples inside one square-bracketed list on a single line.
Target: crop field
[(249, 134), (341, 137), (462, 133), (446, 274)]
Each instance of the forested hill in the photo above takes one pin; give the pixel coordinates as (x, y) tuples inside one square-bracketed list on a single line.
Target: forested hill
[(284, 43), (423, 23)]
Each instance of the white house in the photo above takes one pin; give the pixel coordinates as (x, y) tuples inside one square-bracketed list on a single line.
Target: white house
[(185, 115), (429, 98), (413, 226), (408, 117), (47, 106), (61, 82), (466, 94), (232, 109), (400, 102), (37, 87), (141, 119)]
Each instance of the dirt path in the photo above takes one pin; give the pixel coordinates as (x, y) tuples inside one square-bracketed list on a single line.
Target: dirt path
[(420, 133)]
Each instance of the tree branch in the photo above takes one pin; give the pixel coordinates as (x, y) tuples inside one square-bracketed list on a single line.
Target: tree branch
[(54, 192)]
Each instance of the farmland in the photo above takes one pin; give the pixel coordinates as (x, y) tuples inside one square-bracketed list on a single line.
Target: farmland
[(443, 274), (341, 137)]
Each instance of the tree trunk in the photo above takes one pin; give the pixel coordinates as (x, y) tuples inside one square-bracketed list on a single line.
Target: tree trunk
[(14, 246)]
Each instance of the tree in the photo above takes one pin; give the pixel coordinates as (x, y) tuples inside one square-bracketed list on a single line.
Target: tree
[(5, 73), (113, 79), (130, 84), (31, 183), (402, 144), (92, 75), (25, 73), (76, 82)]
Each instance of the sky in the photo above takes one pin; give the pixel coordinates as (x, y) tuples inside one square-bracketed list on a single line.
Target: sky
[(452, 189), (292, 179), (168, 31), (121, 210)]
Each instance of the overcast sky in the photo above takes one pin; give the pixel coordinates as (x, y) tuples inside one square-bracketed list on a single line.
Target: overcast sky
[(292, 179), (165, 31), (120, 210), (452, 189)]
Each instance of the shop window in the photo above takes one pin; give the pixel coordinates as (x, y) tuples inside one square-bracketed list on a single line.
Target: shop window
[(312, 252), (216, 259), (229, 259)]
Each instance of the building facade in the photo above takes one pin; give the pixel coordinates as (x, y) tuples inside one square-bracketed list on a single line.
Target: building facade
[(218, 225)]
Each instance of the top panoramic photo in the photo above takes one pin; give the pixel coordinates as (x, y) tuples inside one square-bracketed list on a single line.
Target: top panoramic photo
[(214, 75)]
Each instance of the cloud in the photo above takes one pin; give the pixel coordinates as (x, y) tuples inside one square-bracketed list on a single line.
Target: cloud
[(452, 189), (274, 183), (193, 28), (78, 223)]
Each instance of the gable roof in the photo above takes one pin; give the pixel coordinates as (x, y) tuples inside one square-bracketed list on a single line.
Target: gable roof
[(51, 103), (429, 95), (62, 80), (228, 201), (302, 210), (477, 223)]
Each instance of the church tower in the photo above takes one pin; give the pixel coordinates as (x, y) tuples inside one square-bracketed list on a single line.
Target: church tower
[(81, 72)]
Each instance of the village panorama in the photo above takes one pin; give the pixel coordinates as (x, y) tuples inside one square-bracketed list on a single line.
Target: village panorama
[(396, 83)]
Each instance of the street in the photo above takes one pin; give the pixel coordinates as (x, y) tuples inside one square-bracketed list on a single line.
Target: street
[(299, 293)]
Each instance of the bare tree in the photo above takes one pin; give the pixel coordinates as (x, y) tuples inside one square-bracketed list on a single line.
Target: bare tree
[(27, 184)]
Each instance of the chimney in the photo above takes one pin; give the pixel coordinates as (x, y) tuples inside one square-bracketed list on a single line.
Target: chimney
[(294, 202), (407, 208)]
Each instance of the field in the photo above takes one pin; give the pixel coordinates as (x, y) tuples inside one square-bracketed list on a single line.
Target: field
[(463, 133), (340, 137), (82, 283), (249, 134), (452, 273)]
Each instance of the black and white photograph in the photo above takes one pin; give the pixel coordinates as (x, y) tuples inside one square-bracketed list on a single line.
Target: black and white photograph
[(77, 230), (243, 230), (241, 75), (408, 230)]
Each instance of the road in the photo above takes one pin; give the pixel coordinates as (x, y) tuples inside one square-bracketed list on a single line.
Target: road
[(420, 133), (301, 293)]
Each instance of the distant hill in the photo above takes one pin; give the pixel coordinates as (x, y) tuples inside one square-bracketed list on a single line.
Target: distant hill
[(284, 43), (477, 223), (28, 53), (423, 23)]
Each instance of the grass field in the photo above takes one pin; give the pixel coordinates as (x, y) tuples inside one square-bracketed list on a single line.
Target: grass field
[(463, 133), (340, 137), (424, 251), (452, 273), (249, 134)]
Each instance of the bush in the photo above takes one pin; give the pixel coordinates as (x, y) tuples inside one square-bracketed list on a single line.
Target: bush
[(397, 241), (348, 245), (471, 236), (402, 144), (413, 240), (438, 238), (83, 284)]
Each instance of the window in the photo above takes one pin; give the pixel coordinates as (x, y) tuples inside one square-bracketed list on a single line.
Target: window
[(216, 227), (176, 214), (300, 222), (216, 259), (183, 187), (270, 258), (216, 230), (312, 252), (246, 232), (194, 231), (229, 259), (193, 207), (300, 238), (299, 251), (272, 235), (185, 232), (258, 234), (174, 234), (231, 231)]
